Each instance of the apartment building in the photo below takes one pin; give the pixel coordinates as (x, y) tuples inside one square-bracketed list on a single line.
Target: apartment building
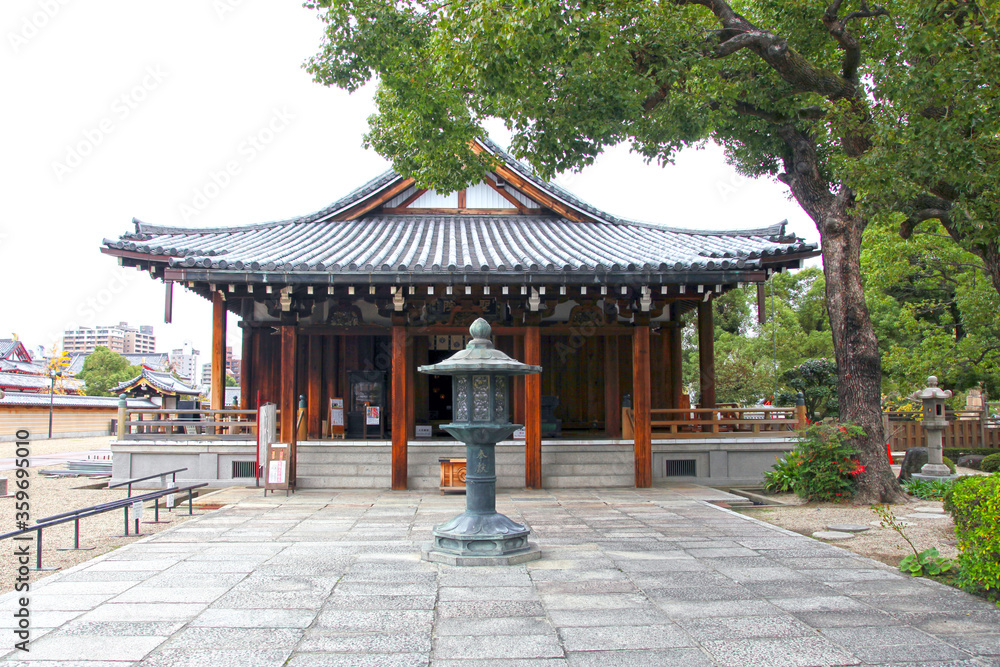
[(122, 338)]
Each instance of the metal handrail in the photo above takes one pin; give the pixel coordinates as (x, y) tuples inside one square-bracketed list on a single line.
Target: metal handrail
[(143, 479), (94, 510)]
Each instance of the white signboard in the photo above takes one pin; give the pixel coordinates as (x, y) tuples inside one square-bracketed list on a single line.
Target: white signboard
[(336, 412), (137, 509), (372, 415), (276, 472), (423, 430), (519, 434)]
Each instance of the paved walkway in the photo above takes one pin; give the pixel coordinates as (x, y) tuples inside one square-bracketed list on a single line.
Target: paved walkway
[(628, 577)]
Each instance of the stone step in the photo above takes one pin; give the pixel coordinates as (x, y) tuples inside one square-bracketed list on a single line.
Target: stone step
[(343, 468), (343, 482), (560, 469), (587, 481), (351, 459)]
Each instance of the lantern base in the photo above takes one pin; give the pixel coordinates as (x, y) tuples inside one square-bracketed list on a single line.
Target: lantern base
[(474, 534), (432, 555), (935, 473)]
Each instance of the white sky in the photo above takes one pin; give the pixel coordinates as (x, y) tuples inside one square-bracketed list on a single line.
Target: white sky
[(125, 108)]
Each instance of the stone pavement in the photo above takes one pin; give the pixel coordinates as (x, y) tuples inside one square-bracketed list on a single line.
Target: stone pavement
[(628, 577)]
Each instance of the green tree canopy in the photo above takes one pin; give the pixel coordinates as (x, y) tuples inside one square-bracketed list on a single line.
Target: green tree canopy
[(934, 308), (935, 161), (103, 369)]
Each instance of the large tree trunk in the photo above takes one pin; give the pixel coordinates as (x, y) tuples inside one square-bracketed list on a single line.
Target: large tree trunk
[(859, 366), (856, 347)]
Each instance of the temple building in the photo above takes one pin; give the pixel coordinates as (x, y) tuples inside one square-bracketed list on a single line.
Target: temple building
[(343, 304)]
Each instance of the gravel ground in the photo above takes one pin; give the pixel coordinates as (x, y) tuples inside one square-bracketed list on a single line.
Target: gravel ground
[(48, 496), (882, 544)]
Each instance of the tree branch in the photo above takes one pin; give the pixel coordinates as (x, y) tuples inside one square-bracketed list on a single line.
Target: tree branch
[(909, 225), (788, 63), (845, 40)]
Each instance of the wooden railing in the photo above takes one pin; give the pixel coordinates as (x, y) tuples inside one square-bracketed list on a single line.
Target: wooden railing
[(146, 424), (967, 429), (719, 421)]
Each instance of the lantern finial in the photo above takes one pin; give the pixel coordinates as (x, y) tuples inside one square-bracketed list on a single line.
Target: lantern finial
[(480, 329)]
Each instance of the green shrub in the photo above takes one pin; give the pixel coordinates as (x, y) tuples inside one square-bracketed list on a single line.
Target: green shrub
[(949, 494), (975, 505), (927, 489), (955, 453), (991, 463), (826, 461), (784, 476), (948, 462)]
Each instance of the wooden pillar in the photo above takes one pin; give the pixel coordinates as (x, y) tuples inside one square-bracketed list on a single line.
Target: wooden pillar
[(518, 395), (399, 405), (289, 401), (411, 389), (331, 371), (612, 391), (247, 370), (706, 353), (533, 410), (314, 388), (674, 356), (641, 406), (218, 382)]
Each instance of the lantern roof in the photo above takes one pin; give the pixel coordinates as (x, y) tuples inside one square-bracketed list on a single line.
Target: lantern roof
[(480, 356), (931, 391)]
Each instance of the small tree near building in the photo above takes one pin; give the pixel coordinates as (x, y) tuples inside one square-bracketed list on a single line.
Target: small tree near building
[(104, 369)]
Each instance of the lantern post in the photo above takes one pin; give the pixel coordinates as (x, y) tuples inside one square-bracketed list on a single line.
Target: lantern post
[(481, 391)]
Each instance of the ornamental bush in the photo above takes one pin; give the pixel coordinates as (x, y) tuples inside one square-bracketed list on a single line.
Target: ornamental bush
[(991, 463), (974, 503), (826, 461), (784, 475)]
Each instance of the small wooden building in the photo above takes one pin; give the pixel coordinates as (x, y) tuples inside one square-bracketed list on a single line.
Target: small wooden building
[(346, 302), (161, 386)]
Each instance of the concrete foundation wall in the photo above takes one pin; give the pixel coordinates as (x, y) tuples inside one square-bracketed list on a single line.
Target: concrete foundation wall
[(368, 465)]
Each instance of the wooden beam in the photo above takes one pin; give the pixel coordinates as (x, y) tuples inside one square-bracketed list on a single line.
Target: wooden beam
[(463, 210), (761, 304), (417, 194), (374, 201), (247, 370), (168, 302), (533, 191), (533, 410), (641, 407), (706, 353), (399, 402), (461, 198), (218, 382), (289, 401), (612, 392), (314, 388), (506, 195)]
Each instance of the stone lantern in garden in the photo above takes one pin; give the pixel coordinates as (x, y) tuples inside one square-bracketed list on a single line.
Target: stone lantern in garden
[(934, 423), (480, 398)]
